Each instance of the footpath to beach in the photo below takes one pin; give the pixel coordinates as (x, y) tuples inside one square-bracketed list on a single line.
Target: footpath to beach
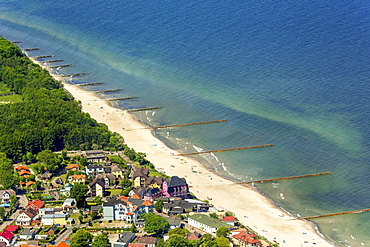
[(251, 207)]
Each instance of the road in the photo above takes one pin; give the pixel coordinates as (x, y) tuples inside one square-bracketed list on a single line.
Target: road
[(23, 202)]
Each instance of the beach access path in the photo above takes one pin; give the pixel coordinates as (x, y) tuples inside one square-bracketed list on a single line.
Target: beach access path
[(251, 207)]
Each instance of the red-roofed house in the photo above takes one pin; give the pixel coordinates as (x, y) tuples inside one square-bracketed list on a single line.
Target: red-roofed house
[(229, 220), (6, 237), (148, 241), (136, 245), (61, 244), (36, 204), (24, 173), (22, 168), (194, 236), (72, 167), (12, 228), (244, 239)]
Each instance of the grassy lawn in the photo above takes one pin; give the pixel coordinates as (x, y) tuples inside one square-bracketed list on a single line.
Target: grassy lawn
[(11, 98), (14, 98), (115, 191)]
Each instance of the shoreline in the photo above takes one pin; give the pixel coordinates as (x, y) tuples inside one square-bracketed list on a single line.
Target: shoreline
[(250, 205)]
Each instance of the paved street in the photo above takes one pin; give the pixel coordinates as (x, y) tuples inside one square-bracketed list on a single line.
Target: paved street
[(23, 202)]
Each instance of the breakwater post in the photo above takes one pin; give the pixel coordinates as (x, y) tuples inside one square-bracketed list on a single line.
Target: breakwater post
[(52, 61), (327, 215), (223, 150), (61, 66), (187, 124), (70, 75), (114, 99), (45, 56), (144, 109), (89, 84), (275, 179), (109, 90), (30, 49)]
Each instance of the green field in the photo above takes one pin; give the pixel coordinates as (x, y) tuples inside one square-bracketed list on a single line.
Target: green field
[(12, 98)]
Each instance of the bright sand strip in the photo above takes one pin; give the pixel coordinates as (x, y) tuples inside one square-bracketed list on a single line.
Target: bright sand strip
[(251, 207)]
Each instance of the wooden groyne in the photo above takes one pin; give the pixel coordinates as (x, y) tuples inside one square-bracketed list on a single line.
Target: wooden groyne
[(108, 91), (114, 99), (275, 179), (61, 66), (70, 75), (89, 84), (45, 56), (16, 42), (328, 215), (187, 124), (30, 49), (52, 61), (144, 109), (224, 150)]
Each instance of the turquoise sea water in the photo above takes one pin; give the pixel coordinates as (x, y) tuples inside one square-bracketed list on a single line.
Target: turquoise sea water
[(295, 74)]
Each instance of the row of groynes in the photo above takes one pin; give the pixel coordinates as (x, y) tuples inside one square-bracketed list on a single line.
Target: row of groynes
[(188, 124)]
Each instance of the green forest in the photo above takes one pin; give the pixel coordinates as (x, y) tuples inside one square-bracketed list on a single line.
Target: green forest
[(47, 117)]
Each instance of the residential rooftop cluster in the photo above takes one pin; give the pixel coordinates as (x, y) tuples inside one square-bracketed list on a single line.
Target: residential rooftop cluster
[(105, 193)]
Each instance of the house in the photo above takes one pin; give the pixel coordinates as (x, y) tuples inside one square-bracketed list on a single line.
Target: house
[(77, 179), (6, 236), (56, 219), (139, 176), (175, 187), (174, 222), (5, 195), (29, 183), (245, 239), (24, 173), (229, 220), (149, 241), (136, 245), (124, 239), (206, 223), (26, 216), (61, 244), (35, 204), (69, 204), (44, 211), (12, 228), (97, 188), (152, 193), (194, 236), (107, 178), (179, 206), (22, 168), (51, 230), (73, 167), (94, 170), (124, 208), (94, 156), (27, 234), (154, 182), (117, 171)]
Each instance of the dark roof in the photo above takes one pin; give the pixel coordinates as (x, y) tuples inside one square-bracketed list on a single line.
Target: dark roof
[(140, 172), (152, 192), (92, 153), (176, 181), (97, 181), (94, 166), (110, 176), (146, 240), (95, 208), (173, 221), (126, 237)]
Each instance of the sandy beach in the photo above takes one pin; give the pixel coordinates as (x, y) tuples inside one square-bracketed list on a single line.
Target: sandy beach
[(250, 207)]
